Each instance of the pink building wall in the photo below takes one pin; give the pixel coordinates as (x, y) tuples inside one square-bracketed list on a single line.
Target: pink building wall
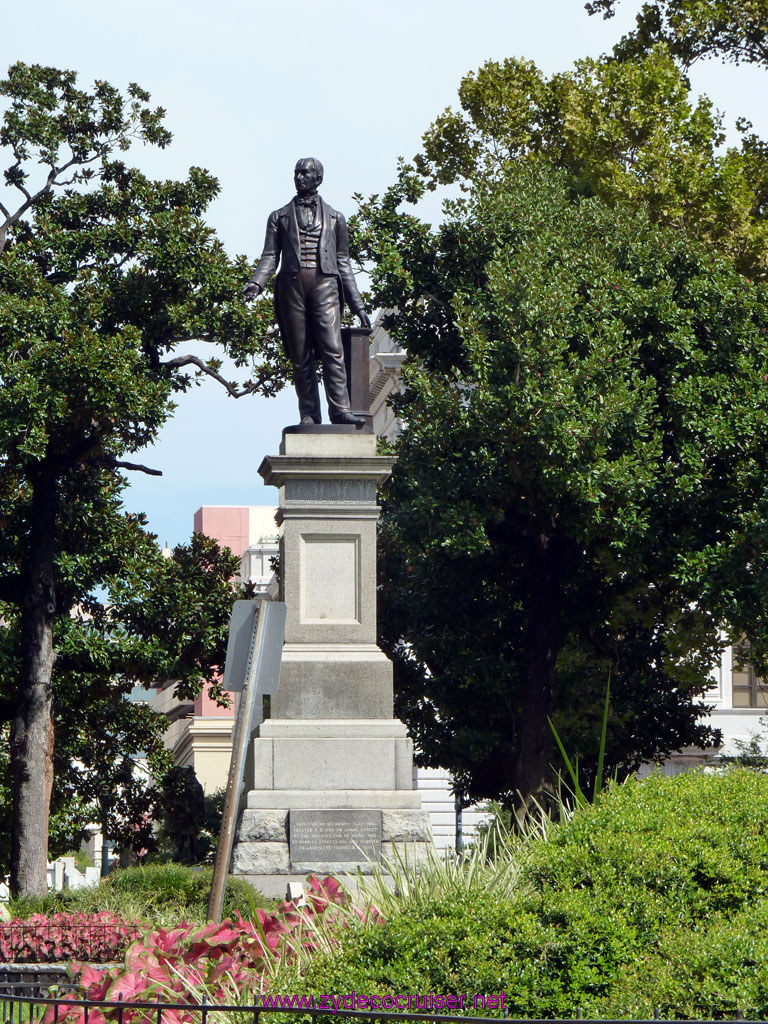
[(227, 524)]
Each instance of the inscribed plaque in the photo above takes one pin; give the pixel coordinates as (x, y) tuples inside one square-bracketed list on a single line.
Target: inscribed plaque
[(338, 835)]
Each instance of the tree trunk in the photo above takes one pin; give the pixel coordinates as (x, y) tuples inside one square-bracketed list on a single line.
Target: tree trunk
[(533, 771), (32, 726)]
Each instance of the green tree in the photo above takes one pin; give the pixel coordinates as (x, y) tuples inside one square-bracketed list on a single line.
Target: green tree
[(120, 754), (625, 130), (103, 272), (582, 485), (162, 619), (569, 503), (184, 812), (734, 30), (67, 822)]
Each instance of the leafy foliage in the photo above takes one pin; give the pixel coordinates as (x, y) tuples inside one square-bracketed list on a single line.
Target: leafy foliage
[(624, 130), (155, 894), (161, 618), (551, 427), (573, 789), (581, 487), (183, 804), (734, 30), (168, 891), (717, 971), (224, 963)]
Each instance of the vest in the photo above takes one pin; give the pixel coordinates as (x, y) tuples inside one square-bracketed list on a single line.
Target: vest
[(309, 241)]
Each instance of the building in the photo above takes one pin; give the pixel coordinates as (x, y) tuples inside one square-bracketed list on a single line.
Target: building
[(739, 700)]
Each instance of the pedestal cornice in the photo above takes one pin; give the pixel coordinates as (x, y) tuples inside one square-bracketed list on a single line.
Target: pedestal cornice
[(277, 469)]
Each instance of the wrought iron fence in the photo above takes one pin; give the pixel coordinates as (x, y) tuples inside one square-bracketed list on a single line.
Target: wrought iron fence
[(35, 983), (58, 1008)]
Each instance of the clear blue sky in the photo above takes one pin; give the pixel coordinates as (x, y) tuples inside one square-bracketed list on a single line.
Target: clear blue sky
[(251, 86)]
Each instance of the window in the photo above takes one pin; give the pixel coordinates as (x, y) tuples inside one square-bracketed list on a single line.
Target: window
[(749, 690)]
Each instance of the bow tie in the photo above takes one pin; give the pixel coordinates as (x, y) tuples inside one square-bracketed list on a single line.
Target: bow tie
[(307, 201)]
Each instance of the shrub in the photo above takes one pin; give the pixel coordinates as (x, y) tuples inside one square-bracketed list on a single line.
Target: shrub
[(599, 908), (174, 889), (659, 851), (163, 894), (718, 972)]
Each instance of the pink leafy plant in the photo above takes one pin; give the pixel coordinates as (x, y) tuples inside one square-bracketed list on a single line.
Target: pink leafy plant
[(41, 938), (218, 961)]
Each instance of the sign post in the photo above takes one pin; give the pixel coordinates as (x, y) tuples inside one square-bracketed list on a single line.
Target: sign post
[(254, 654)]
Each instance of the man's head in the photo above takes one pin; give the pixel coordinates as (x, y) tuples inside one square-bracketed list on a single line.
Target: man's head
[(307, 175)]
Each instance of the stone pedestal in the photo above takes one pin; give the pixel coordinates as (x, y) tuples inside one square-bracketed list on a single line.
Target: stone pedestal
[(332, 769)]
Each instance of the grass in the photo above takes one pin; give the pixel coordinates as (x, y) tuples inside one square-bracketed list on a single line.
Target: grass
[(19, 1013)]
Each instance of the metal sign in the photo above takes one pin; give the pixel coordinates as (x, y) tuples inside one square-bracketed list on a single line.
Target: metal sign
[(260, 675), (242, 623)]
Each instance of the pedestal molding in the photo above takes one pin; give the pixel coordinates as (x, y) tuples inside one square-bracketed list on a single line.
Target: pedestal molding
[(276, 469), (329, 511), (385, 799)]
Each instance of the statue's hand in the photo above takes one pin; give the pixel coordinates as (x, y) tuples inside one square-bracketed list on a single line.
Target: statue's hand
[(365, 320), (250, 291)]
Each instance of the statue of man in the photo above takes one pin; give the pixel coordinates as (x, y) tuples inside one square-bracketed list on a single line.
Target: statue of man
[(309, 240)]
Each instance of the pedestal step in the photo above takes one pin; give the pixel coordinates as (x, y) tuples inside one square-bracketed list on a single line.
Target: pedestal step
[(343, 754), (334, 681)]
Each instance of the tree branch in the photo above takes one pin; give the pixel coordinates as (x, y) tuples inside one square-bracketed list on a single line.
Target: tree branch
[(50, 181), (118, 464), (18, 184), (189, 360)]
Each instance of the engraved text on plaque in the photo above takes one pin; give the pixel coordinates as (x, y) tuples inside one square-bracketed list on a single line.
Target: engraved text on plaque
[(334, 835)]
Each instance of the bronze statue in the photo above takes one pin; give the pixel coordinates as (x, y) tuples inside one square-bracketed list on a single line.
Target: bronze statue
[(309, 240)]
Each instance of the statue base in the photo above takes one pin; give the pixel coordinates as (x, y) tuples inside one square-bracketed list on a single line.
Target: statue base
[(332, 775)]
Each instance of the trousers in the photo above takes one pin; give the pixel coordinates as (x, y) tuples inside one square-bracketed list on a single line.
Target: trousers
[(309, 314)]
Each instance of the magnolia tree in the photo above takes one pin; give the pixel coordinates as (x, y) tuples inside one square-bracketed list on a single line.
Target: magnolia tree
[(103, 273)]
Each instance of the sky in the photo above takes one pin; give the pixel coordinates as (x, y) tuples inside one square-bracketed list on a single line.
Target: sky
[(251, 87)]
